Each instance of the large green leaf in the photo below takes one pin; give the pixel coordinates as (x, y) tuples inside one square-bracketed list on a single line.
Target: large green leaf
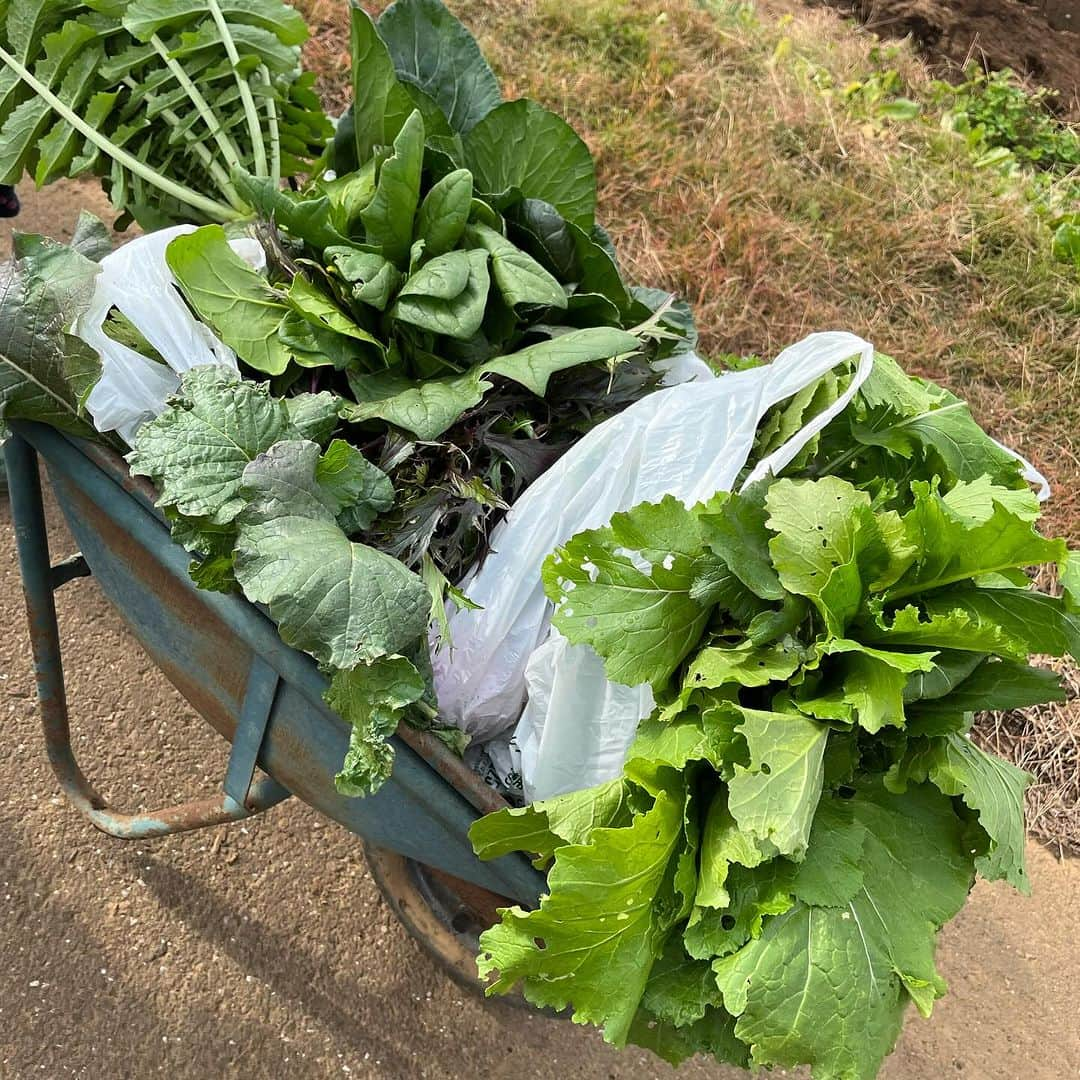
[(828, 545), (753, 894), (447, 295), (197, 449), (315, 306), (625, 590), (990, 786), (744, 665), (371, 278), (426, 408), (705, 735), (345, 603), (714, 1035), (521, 146), (46, 373), (864, 685), (827, 985), (948, 627), (388, 218), (373, 83), (543, 827), (600, 928), (433, 50), (737, 532), (773, 799), (534, 365), (444, 213), (353, 484), (315, 416), (519, 277), (952, 548), (1012, 622), (904, 415), (230, 297), (996, 684), (724, 845)]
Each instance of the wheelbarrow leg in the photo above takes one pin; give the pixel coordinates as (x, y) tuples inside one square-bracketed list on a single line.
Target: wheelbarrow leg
[(40, 579)]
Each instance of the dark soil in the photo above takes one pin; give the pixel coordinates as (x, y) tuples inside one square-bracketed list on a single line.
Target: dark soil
[(1039, 39)]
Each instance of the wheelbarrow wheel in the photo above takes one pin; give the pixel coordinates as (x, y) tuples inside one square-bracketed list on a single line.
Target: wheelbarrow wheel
[(444, 914)]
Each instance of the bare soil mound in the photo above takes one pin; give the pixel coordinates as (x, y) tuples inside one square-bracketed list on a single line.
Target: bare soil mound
[(1036, 38)]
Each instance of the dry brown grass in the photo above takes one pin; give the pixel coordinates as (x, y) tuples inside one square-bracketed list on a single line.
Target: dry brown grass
[(731, 173), (1046, 742), (729, 176)]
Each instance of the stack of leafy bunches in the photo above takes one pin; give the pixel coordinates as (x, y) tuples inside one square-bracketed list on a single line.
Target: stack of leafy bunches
[(804, 809), (442, 297)]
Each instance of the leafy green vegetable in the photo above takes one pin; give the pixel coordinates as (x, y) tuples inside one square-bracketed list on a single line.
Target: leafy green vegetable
[(231, 297), (444, 213), (606, 917), (374, 81), (447, 295), (816, 644), (372, 698), (774, 798), (388, 218), (828, 545), (827, 984), (163, 100), (196, 451), (356, 487), (521, 147), (455, 75), (631, 590), (46, 374), (343, 602), (993, 788)]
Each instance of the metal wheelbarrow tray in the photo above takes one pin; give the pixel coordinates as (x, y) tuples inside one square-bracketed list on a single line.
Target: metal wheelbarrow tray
[(224, 655)]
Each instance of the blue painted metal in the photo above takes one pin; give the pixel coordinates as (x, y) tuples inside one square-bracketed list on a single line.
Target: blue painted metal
[(251, 728), (206, 643), (40, 580)]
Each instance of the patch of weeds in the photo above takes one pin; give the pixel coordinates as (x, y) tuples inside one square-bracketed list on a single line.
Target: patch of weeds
[(613, 30), (1001, 114)]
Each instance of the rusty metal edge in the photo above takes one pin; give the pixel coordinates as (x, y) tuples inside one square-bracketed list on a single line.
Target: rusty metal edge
[(443, 760)]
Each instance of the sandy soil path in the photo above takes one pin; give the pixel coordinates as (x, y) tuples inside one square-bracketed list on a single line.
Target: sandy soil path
[(265, 950)]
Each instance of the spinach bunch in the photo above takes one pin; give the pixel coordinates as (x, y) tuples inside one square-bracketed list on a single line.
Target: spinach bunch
[(447, 282)]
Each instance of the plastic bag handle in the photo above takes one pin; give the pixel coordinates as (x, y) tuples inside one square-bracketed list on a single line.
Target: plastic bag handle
[(779, 459)]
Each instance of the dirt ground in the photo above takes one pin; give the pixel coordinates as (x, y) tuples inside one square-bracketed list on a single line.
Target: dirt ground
[(266, 950), (1037, 38)]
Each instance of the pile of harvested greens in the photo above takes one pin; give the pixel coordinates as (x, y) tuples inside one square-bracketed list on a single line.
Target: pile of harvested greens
[(440, 318)]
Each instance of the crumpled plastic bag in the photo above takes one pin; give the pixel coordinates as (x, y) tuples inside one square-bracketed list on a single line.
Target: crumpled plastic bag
[(135, 279), (689, 440)]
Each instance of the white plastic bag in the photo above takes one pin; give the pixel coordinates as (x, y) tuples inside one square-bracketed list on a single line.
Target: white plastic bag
[(689, 440), (135, 279)]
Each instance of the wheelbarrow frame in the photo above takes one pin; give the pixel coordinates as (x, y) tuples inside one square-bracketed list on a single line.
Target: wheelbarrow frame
[(225, 656)]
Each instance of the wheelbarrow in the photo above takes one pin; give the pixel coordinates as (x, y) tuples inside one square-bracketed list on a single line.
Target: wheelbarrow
[(224, 655)]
